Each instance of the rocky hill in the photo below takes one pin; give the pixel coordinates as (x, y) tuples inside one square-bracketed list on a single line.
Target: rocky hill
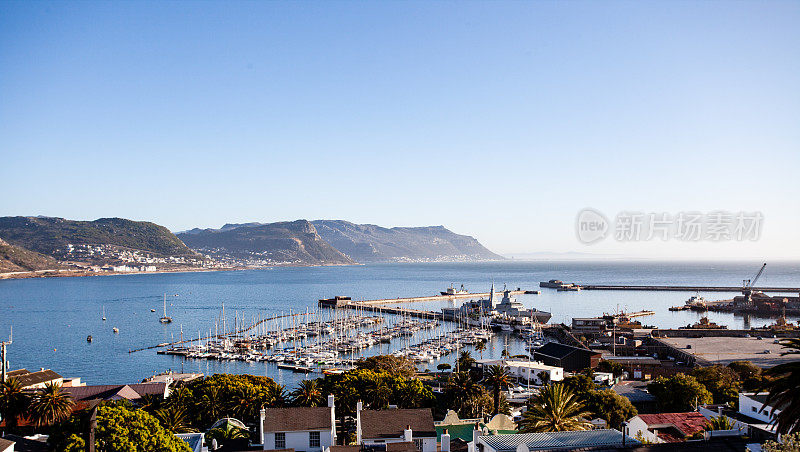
[(57, 237), (17, 259), (255, 244), (371, 243)]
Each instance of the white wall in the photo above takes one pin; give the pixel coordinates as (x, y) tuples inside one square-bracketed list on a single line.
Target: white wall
[(299, 441), (752, 408), (532, 372), (636, 425)]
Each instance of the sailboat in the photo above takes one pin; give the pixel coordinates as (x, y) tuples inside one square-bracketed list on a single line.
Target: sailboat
[(104, 313), (165, 319)]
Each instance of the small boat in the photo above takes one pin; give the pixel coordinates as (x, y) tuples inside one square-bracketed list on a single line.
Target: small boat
[(104, 313), (115, 330), (152, 310), (89, 338), (165, 319)]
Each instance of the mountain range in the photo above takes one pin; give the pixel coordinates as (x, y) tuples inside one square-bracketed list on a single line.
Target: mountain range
[(35, 243)]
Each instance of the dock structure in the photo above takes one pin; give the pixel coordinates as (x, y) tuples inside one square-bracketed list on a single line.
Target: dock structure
[(339, 301), (685, 288), (431, 315), (631, 315)]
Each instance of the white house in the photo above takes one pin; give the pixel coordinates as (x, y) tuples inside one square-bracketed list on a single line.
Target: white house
[(752, 405), (666, 427), (382, 427), (304, 429), (532, 371), (752, 419)]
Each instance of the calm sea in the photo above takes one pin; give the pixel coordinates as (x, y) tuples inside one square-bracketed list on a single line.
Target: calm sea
[(52, 317)]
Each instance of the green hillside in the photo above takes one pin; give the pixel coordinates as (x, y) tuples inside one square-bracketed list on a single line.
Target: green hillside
[(50, 236)]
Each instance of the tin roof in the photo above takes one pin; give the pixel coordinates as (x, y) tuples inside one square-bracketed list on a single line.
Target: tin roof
[(558, 440)]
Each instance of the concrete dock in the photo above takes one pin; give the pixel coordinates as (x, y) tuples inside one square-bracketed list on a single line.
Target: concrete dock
[(686, 288), (438, 297)]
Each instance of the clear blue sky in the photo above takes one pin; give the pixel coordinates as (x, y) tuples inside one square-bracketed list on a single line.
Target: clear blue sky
[(499, 120)]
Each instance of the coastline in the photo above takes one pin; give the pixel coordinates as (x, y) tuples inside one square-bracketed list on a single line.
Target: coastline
[(68, 273)]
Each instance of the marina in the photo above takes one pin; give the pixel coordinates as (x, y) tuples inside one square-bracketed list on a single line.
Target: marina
[(256, 300)]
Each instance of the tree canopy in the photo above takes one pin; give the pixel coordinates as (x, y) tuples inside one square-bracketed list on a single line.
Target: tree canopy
[(723, 382), (121, 429), (679, 393), (396, 365)]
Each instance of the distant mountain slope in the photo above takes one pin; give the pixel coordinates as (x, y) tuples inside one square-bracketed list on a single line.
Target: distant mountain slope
[(294, 243), (370, 243), (16, 259), (51, 236)]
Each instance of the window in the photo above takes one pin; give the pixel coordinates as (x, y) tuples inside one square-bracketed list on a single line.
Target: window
[(754, 408), (280, 440), (313, 439)]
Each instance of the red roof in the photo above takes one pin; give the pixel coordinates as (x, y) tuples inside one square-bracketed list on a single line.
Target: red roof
[(686, 423)]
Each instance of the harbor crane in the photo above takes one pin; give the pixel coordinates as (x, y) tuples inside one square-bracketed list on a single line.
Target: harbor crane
[(747, 284)]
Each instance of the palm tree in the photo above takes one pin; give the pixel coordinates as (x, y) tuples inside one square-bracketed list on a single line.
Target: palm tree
[(174, 419), (719, 423), (465, 361), (225, 434), (465, 394), (210, 404), (554, 409), (276, 395), (244, 403), (307, 393), (50, 405), (180, 396), (480, 347), (151, 402), (784, 390), (13, 401), (498, 378)]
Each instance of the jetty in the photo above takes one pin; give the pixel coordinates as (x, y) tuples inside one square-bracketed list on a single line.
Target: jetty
[(340, 301), (685, 288), (407, 312)]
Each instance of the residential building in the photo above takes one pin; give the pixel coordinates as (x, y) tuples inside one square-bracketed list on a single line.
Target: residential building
[(378, 428), (534, 372), (6, 445), (667, 427), (132, 392), (636, 392), (567, 357), (35, 380), (552, 441), (304, 429), (753, 418)]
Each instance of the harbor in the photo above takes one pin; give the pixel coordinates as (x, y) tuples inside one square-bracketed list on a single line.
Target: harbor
[(331, 338)]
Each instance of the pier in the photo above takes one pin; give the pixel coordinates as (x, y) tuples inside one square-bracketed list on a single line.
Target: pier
[(358, 305), (339, 301), (685, 288)]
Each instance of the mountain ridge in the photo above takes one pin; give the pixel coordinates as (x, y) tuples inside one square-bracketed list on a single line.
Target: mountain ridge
[(373, 243), (281, 243), (52, 236)]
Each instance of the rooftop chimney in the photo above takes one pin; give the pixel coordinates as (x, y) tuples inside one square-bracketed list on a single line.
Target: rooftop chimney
[(407, 434), (330, 401), (261, 417), (359, 406), (445, 447)]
